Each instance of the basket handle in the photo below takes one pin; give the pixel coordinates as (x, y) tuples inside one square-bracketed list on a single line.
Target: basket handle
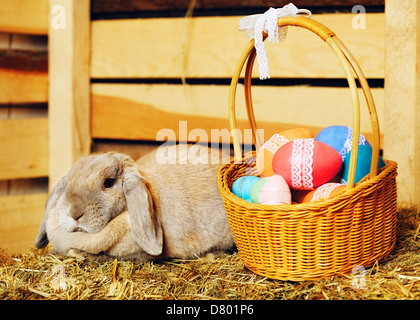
[(350, 67)]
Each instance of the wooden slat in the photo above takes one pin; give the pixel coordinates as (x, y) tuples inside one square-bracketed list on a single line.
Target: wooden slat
[(211, 46), (23, 148), (138, 111), (23, 86), (20, 217), (24, 16), (69, 96), (402, 98)]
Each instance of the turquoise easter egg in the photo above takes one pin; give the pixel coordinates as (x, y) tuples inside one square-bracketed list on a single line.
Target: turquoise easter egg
[(242, 187), (364, 158), (340, 138)]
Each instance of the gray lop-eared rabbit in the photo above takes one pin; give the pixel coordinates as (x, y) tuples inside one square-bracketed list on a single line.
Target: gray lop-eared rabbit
[(109, 206)]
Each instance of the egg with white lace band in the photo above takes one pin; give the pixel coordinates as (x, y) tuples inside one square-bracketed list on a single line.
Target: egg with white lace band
[(340, 138), (327, 190), (306, 163), (266, 153)]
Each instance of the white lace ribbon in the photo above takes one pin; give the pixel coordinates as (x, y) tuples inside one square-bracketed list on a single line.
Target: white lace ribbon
[(256, 24)]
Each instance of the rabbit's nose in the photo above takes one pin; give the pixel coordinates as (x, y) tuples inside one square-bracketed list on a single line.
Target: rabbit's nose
[(76, 214)]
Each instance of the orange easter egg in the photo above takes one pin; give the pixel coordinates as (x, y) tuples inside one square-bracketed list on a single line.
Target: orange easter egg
[(324, 191), (268, 149)]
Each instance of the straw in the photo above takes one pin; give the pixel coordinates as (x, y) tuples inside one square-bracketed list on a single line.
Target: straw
[(33, 275)]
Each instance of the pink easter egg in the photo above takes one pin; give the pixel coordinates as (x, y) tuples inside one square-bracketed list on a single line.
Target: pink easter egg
[(266, 153), (275, 191), (306, 163)]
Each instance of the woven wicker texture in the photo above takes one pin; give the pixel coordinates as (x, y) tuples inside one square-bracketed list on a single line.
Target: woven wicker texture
[(321, 238)]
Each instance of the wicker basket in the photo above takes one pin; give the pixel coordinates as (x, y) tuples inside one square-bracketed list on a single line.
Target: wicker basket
[(321, 238)]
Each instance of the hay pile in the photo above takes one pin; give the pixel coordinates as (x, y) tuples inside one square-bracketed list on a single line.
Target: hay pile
[(39, 275)]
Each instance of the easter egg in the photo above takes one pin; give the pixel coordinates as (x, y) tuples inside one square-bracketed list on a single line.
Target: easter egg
[(242, 187), (339, 138), (268, 149), (324, 191), (364, 158), (256, 188), (306, 163), (275, 191)]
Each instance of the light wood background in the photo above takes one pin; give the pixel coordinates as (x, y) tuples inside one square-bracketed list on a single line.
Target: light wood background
[(23, 122), (115, 83)]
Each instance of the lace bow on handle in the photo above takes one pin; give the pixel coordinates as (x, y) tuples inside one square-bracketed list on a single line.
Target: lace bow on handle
[(256, 24)]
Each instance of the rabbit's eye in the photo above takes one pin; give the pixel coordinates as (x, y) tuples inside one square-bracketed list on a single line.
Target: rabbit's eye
[(108, 183)]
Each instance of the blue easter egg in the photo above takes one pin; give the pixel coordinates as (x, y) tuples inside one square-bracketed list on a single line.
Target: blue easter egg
[(364, 158), (339, 138), (242, 187)]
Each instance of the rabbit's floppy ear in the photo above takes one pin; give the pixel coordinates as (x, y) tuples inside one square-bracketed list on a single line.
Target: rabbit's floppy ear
[(145, 226), (41, 240)]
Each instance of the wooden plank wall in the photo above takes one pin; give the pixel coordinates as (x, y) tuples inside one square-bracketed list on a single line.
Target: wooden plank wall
[(24, 16), (136, 80), (69, 85), (149, 73), (23, 122), (402, 97), (151, 67)]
